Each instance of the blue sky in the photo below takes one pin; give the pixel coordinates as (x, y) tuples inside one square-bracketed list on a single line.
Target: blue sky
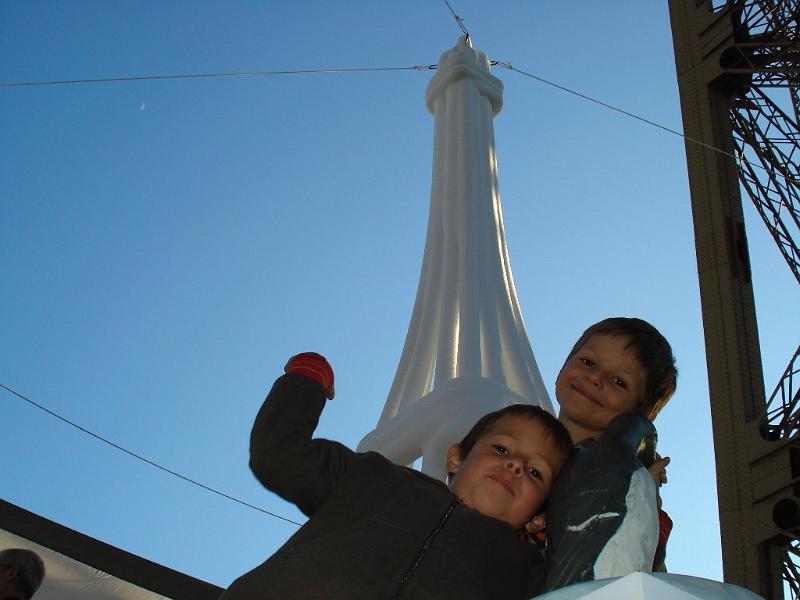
[(166, 245)]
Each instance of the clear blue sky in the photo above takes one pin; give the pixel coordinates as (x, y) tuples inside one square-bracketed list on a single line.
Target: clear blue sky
[(166, 245)]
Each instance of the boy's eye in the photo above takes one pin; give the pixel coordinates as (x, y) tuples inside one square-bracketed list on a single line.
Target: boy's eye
[(535, 473), (500, 449), (618, 381), (588, 362)]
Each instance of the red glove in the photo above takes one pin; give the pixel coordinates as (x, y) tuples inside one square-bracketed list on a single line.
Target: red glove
[(314, 366), (664, 527)]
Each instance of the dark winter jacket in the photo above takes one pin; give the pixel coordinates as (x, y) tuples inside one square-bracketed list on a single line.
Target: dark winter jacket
[(377, 531)]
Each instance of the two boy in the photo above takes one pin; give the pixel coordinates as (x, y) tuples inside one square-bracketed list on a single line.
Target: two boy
[(378, 530)]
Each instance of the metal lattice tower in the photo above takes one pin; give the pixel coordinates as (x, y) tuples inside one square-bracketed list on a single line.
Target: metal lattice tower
[(738, 65)]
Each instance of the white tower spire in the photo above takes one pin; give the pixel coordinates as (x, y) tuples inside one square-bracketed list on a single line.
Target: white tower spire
[(466, 351)]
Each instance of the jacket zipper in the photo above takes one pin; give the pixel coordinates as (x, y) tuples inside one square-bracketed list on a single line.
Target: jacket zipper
[(424, 549)]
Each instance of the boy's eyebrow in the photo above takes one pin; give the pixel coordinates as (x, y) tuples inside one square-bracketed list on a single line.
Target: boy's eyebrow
[(504, 435), (508, 435), (630, 370), (626, 371)]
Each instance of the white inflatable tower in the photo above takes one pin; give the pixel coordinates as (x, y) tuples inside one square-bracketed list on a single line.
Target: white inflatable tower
[(466, 352)]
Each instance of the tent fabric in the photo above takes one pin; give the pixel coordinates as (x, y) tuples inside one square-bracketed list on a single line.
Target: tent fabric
[(80, 567), (68, 579), (652, 586)]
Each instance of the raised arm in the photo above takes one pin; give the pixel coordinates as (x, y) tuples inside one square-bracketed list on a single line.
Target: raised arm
[(283, 455)]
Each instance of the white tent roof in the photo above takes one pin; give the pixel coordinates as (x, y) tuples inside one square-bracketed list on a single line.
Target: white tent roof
[(652, 586), (80, 567)]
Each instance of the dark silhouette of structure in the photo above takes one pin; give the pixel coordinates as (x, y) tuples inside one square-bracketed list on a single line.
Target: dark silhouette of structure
[(738, 66)]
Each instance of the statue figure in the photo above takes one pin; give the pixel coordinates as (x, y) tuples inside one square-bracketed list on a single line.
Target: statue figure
[(602, 517)]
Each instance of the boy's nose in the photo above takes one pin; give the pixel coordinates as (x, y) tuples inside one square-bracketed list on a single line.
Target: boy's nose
[(514, 466), (595, 377)]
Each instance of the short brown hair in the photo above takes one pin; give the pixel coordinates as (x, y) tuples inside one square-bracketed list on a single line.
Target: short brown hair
[(553, 428), (652, 351)]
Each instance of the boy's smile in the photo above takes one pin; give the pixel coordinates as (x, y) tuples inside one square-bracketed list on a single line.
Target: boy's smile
[(586, 394), (508, 473), (602, 380)]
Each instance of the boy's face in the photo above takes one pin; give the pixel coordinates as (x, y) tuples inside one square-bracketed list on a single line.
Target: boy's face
[(509, 471), (601, 381)]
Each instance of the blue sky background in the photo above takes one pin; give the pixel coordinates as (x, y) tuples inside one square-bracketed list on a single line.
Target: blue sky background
[(166, 245)]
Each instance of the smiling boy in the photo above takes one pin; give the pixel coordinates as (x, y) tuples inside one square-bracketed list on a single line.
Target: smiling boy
[(377, 530), (602, 380), (618, 366)]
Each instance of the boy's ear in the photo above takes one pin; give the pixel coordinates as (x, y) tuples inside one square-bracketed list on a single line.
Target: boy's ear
[(453, 458)]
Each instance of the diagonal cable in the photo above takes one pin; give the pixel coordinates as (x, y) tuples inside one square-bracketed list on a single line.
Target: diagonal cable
[(142, 458), (736, 157), (213, 75), (459, 20), (431, 67)]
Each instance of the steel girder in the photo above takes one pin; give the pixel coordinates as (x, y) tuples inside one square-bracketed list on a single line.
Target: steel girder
[(728, 54)]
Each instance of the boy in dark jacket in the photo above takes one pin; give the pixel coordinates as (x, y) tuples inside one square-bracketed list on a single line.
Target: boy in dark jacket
[(377, 530)]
